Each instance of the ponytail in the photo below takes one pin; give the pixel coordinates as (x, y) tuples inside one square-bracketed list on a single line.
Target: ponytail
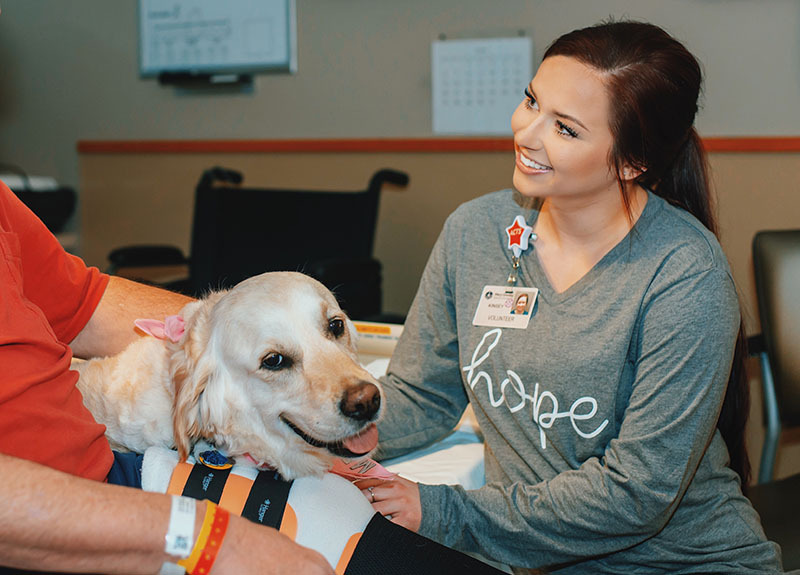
[(735, 411), (684, 181)]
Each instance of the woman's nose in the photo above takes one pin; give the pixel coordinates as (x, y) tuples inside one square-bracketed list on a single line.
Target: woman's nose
[(528, 133)]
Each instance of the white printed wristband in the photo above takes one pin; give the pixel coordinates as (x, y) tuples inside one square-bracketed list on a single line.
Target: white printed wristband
[(179, 539), (171, 569)]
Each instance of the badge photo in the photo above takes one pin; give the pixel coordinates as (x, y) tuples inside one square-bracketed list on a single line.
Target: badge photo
[(505, 306)]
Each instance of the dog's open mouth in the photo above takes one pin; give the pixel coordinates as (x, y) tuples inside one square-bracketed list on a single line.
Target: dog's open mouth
[(354, 446)]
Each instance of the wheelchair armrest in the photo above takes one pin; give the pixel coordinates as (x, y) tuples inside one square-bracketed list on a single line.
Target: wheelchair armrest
[(145, 256)]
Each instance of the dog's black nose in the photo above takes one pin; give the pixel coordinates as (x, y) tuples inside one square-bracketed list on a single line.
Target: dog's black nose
[(361, 402)]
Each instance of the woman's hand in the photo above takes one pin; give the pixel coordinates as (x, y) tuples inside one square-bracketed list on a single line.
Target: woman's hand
[(397, 499)]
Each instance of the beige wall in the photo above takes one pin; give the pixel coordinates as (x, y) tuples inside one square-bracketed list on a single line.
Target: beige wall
[(755, 191)]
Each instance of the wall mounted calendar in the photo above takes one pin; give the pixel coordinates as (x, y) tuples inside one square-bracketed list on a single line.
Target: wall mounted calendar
[(477, 84)]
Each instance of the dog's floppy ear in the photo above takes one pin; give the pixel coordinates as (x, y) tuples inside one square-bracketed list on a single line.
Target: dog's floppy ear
[(191, 369)]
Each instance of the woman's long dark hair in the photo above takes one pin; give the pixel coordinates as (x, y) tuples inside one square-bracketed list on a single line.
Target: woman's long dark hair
[(654, 84)]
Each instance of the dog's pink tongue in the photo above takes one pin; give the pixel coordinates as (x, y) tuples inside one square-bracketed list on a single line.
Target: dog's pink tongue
[(364, 441)]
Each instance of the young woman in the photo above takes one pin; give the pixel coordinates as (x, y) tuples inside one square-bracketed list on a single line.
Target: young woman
[(613, 418), (521, 304)]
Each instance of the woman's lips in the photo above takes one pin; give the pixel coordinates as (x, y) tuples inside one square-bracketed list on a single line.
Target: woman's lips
[(532, 165)]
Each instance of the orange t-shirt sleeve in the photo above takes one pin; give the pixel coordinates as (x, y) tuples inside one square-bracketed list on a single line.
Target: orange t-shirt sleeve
[(58, 283)]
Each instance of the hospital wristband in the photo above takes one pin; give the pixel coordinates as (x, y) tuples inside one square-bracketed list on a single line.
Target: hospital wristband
[(180, 533), (212, 532)]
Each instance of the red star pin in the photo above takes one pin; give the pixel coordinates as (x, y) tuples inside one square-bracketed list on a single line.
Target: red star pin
[(518, 234)]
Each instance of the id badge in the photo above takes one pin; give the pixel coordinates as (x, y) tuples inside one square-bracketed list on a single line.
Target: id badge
[(504, 306)]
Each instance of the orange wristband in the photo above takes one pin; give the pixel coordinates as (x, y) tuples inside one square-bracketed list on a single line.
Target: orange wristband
[(212, 532), (214, 542)]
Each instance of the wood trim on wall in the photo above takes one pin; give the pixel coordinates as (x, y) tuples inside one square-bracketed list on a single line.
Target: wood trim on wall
[(388, 145), (753, 144)]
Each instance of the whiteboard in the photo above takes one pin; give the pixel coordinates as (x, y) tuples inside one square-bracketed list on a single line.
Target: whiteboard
[(212, 36)]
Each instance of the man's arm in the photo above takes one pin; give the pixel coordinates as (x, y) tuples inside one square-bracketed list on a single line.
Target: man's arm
[(55, 521), (111, 328)]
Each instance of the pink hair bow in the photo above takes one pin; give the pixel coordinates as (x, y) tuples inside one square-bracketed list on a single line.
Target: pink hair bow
[(171, 328)]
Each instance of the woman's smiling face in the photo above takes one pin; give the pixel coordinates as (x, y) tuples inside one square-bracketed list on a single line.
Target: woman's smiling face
[(562, 137)]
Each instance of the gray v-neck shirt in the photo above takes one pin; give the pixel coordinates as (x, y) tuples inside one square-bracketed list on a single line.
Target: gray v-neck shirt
[(601, 450)]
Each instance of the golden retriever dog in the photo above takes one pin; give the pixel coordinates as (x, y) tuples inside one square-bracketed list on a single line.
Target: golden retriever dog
[(267, 372)]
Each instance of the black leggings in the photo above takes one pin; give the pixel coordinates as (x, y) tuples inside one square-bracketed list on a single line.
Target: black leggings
[(388, 549)]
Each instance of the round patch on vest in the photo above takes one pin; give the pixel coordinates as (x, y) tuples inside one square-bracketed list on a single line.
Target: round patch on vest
[(215, 460)]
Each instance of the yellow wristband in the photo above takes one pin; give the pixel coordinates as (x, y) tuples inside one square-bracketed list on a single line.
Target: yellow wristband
[(191, 561)]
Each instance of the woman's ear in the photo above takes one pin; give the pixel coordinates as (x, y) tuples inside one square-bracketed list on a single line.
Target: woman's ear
[(630, 173)]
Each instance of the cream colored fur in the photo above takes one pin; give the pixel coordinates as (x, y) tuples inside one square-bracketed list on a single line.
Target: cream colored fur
[(212, 384)]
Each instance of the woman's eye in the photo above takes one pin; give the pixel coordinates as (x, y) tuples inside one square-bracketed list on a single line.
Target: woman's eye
[(565, 130), (336, 326), (275, 361), (530, 101)]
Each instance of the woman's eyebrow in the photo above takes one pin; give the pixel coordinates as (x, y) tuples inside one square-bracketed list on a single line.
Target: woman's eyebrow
[(572, 119), (559, 114)]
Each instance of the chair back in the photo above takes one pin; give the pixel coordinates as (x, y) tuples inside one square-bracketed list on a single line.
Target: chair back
[(776, 262), (241, 232)]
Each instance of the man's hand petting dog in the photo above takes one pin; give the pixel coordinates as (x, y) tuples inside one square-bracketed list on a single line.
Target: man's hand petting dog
[(396, 499)]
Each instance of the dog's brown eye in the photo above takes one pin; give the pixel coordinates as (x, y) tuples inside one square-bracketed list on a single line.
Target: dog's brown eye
[(336, 326), (275, 361)]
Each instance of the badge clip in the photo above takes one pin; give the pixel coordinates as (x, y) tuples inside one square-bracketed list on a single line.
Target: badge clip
[(519, 232)]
